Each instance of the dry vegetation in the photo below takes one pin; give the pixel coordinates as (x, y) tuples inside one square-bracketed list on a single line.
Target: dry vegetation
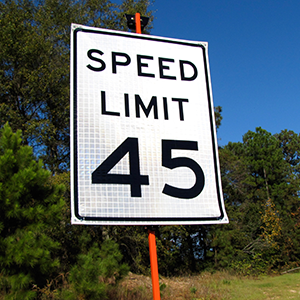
[(207, 286), (204, 286)]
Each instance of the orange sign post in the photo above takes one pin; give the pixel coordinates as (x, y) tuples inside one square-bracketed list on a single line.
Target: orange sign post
[(153, 264), (138, 27), (151, 233)]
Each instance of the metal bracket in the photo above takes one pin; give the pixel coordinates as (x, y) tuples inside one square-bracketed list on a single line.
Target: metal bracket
[(131, 21)]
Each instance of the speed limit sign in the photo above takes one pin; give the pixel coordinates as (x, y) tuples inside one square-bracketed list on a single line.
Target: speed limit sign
[(143, 140)]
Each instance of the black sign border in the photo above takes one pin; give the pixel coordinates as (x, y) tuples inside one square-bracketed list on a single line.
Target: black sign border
[(141, 220)]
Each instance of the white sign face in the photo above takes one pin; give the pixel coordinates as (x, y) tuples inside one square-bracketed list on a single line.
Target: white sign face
[(143, 140)]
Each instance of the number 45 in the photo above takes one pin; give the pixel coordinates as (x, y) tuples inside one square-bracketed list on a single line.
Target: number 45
[(136, 180)]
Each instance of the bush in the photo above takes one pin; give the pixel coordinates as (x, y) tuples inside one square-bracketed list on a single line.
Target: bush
[(96, 272)]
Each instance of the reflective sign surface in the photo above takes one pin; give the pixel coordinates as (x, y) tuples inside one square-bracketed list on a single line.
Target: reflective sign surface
[(143, 139)]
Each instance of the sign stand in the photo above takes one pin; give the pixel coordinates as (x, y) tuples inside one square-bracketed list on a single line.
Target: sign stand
[(151, 232), (153, 264), (138, 23)]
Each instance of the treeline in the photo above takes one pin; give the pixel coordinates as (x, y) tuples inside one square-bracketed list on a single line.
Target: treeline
[(41, 255), (261, 184), (260, 178)]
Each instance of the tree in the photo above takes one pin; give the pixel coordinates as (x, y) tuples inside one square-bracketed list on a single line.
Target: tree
[(30, 207), (227, 241), (218, 116), (260, 181), (289, 143), (34, 66)]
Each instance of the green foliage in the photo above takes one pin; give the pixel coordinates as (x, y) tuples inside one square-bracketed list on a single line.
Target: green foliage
[(30, 204), (218, 116), (34, 66), (133, 243), (90, 277), (254, 265), (37, 244), (260, 178), (181, 249)]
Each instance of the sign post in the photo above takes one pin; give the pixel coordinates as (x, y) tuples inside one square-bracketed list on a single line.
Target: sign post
[(151, 232), (153, 264)]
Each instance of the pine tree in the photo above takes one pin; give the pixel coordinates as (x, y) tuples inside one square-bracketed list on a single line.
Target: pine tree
[(30, 206)]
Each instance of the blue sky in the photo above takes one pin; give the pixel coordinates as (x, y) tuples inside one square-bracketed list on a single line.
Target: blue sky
[(254, 54)]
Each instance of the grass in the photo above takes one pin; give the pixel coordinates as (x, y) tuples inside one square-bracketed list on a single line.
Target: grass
[(279, 287), (217, 286)]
